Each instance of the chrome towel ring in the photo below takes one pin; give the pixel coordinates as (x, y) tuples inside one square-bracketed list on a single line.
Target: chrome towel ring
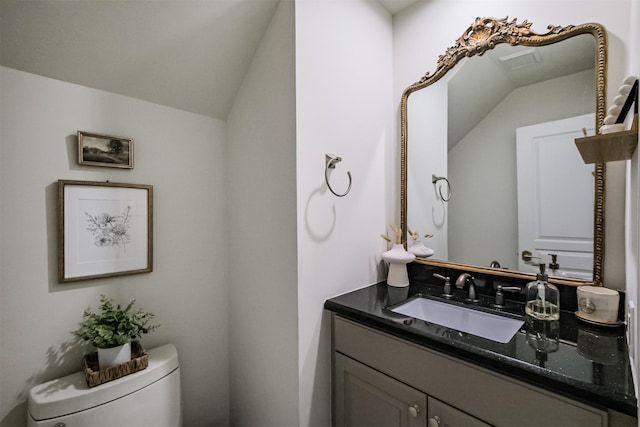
[(435, 179), (331, 160)]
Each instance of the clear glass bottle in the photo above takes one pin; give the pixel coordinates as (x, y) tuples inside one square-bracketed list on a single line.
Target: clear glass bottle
[(543, 298)]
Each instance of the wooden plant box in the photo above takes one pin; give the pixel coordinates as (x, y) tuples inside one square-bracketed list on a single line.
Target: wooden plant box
[(95, 376)]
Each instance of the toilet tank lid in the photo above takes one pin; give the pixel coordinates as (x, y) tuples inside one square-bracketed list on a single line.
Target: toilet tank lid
[(71, 394)]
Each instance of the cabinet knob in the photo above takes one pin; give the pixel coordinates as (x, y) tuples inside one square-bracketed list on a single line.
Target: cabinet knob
[(414, 410), (434, 421)]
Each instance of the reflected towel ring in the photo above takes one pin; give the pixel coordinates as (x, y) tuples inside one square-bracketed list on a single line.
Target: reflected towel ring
[(435, 179), (331, 160)]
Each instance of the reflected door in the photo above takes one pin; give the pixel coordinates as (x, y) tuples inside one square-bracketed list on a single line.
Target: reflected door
[(555, 190)]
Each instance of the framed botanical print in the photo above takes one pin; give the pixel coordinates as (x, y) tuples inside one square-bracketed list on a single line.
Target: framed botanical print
[(104, 229)]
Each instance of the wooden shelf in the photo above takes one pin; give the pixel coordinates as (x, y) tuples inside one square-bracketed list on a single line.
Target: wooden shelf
[(609, 147)]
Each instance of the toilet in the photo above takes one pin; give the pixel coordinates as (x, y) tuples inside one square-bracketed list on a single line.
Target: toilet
[(150, 397)]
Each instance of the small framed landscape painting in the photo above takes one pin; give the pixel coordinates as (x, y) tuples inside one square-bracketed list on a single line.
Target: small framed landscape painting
[(103, 150)]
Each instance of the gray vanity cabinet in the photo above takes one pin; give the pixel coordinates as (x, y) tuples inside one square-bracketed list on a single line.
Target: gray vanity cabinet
[(443, 415), (367, 398), (379, 379)]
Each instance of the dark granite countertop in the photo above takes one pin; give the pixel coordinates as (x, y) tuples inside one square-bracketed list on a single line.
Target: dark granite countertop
[(588, 363)]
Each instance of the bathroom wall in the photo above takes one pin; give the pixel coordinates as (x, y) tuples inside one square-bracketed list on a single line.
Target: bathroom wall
[(263, 281), (183, 155), (344, 107), (632, 222), (425, 30)]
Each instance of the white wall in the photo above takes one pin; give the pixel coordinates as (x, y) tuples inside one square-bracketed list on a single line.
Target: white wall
[(632, 222), (425, 30), (262, 228), (183, 156), (344, 107)]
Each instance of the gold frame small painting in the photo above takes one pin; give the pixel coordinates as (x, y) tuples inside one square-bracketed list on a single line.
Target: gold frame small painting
[(95, 149)]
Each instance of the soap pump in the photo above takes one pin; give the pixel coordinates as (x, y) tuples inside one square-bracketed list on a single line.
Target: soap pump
[(543, 298)]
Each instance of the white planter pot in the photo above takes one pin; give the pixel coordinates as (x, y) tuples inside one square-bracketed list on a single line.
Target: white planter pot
[(114, 356)]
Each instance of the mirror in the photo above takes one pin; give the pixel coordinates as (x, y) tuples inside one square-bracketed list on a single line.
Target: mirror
[(488, 158)]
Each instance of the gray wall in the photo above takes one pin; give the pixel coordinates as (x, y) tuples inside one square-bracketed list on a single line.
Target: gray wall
[(183, 156), (262, 230)]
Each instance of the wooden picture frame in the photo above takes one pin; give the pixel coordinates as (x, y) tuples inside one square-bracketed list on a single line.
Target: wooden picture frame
[(104, 229), (108, 151)]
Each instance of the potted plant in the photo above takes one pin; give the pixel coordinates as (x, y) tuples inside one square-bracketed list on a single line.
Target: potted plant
[(112, 329)]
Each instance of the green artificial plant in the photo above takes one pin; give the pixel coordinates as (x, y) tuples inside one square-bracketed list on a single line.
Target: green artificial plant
[(113, 325)]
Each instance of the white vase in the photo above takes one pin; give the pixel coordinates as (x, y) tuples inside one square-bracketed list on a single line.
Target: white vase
[(398, 259), (114, 356), (420, 250)]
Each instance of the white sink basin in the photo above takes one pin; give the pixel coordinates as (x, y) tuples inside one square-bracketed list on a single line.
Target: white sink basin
[(485, 325)]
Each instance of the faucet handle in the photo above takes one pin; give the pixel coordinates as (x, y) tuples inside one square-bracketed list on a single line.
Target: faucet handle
[(500, 294), (447, 285)]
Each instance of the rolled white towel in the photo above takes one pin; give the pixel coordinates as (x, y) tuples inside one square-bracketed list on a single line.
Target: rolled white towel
[(619, 100), (614, 110), (624, 89)]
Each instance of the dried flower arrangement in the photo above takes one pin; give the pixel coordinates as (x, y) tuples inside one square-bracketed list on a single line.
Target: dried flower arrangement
[(397, 231), (415, 235)]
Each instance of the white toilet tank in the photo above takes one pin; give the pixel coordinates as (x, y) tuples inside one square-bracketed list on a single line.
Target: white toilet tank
[(150, 397)]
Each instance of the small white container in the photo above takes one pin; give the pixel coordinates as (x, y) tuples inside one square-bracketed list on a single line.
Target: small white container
[(598, 304)]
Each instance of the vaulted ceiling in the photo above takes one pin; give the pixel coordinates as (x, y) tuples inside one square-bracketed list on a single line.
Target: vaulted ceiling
[(191, 55)]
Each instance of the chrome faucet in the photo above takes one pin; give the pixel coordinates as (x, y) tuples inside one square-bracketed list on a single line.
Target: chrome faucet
[(467, 278)]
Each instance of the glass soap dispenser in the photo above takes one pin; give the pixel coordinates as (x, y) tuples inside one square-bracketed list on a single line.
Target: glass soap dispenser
[(543, 298)]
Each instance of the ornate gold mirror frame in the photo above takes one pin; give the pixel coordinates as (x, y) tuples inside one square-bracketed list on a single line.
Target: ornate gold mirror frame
[(484, 34)]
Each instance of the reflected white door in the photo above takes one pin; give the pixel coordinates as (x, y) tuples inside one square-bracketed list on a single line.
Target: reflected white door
[(555, 197)]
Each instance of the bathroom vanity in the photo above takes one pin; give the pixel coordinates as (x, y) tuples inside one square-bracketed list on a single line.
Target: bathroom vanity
[(391, 369)]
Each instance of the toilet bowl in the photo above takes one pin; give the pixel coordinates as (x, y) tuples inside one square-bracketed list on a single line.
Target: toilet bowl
[(150, 397)]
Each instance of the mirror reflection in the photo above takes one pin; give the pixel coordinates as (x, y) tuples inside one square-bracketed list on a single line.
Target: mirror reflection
[(492, 171)]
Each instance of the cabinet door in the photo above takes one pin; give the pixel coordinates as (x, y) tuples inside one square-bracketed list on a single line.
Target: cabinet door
[(443, 415), (367, 398)]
